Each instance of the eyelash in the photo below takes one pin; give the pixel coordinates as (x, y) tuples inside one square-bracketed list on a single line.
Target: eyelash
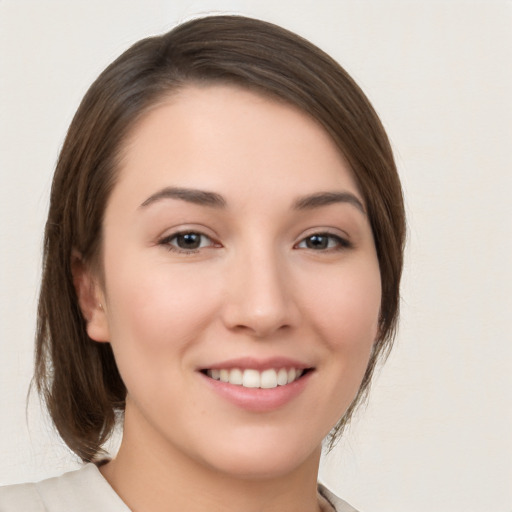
[(335, 243), (339, 243), (167, 242)]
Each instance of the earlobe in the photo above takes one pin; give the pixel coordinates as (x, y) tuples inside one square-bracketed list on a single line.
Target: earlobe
[(90, 299)]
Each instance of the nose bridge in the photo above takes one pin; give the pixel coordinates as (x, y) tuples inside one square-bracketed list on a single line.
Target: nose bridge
[(260, 298)]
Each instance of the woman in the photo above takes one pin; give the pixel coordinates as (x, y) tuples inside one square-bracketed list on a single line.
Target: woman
[(222, 263)]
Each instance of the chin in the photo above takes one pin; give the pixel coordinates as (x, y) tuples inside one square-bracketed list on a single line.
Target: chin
[(263, 459)]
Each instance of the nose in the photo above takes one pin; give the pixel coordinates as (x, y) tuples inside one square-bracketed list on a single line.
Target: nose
[(260, 299)]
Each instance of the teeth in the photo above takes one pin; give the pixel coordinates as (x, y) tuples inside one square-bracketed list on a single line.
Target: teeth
[(236, 377), (250, 378), (282, 377), (269, 379)]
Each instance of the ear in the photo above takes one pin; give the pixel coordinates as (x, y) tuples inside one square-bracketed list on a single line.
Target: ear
[(91, 299)]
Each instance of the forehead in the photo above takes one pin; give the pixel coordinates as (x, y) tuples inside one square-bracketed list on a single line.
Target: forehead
[(228, 139)]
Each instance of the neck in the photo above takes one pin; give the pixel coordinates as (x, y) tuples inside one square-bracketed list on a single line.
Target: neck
[(156, 477)]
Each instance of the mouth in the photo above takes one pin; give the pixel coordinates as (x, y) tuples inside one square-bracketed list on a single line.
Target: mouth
[(254, 379)]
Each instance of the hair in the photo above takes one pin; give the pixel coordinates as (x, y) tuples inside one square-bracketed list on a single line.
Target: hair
[(78, 378)]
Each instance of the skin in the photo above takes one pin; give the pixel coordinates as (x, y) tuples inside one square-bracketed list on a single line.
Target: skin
[(256, 287)]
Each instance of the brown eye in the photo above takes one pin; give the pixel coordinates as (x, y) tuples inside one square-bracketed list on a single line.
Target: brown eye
[(317, 242), (187, 241), (322, 242)]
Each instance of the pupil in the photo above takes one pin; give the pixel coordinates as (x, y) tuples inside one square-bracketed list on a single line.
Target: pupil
[(317, 242), (189, 241)]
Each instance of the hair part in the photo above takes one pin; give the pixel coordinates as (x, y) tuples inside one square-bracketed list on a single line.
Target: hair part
[(78, 377)]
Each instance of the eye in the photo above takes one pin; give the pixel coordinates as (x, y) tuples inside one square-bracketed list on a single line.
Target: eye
[(323, 242), (187, 242)]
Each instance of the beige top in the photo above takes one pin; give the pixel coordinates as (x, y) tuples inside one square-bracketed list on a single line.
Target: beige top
[(85, 490)]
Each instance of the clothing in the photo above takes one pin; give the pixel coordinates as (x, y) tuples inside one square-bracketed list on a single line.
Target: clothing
[(85, 490)]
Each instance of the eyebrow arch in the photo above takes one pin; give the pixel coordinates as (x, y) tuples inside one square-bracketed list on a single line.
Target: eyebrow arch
[(327, 198), (190, 195)]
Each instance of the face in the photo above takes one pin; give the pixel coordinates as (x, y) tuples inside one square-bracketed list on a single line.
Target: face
[(241, 289)]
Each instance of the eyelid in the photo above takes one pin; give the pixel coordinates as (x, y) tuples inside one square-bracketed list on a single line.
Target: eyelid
[(342, 239), (166, 239), (185, 227)]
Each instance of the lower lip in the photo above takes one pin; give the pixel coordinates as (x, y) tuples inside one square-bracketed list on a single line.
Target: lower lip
[(258, 399)]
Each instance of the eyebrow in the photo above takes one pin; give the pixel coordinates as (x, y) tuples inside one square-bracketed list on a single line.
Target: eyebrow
[(190, 195), (326, 198), (204, 198)]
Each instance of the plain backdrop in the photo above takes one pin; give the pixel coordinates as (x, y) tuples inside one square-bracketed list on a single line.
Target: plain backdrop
[(437, 434)]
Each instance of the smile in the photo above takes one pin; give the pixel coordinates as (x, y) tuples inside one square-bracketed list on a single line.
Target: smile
[(251, 378)]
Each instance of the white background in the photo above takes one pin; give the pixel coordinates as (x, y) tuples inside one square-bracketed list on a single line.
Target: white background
[(437, 435)]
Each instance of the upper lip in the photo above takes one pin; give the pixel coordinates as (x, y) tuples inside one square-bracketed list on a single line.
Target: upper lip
[(252, 363)]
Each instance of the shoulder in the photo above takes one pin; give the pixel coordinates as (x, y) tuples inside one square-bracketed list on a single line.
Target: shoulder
[(20, 497), (337, 503), (86, 489), (82, 490)]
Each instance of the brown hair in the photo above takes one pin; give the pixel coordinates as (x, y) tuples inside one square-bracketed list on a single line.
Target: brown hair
[(77, 377)]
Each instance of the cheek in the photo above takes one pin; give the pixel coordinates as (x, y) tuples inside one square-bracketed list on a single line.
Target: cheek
[(156, 306), (346, 317), (346, 306)]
